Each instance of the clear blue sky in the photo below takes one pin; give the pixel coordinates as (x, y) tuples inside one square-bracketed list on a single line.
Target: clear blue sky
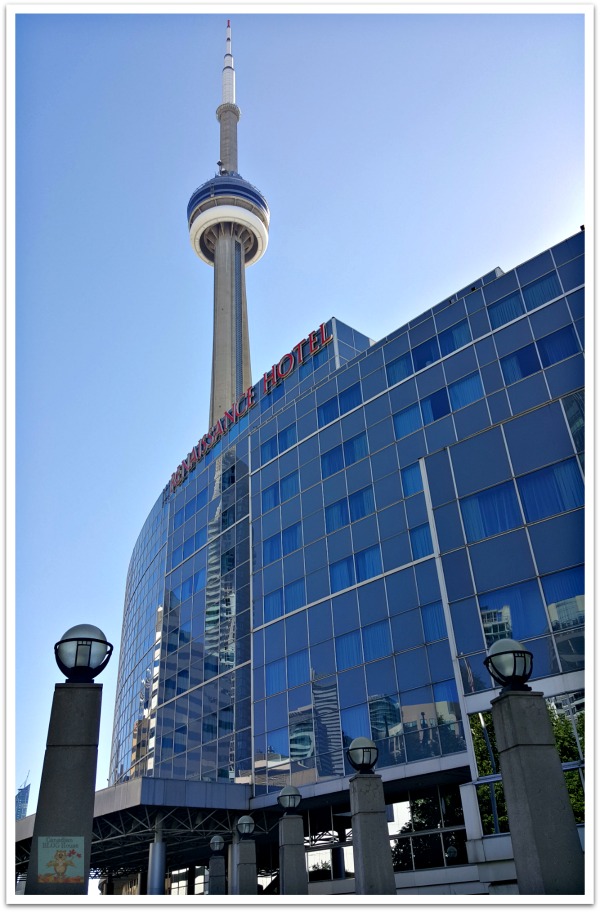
[(402, 157)]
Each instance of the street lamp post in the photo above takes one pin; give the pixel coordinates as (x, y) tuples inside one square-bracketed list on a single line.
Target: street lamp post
[(293, 878), (373, 865), (59, 863), (217, 881), (546, 847), (246, 858)]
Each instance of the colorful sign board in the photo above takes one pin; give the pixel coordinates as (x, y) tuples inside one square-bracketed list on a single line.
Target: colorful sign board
[(61, 859)]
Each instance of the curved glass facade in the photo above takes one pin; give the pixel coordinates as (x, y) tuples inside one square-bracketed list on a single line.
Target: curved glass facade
[(333, 560)]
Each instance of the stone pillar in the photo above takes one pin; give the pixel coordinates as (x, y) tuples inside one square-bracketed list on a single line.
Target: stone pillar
[(65, 810), (373, 866), (293, 877), (157, 862), (246, 867), (217, 879), (548, 855)]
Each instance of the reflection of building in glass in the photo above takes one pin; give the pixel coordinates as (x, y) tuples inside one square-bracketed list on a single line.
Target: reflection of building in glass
[(328, 735), (567, 612), (496, 624)]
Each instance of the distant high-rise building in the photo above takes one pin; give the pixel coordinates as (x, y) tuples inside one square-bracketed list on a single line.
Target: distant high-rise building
[(21, 802)]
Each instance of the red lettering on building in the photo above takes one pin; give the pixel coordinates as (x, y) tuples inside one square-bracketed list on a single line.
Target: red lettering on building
[(283, 372), (286, 365)]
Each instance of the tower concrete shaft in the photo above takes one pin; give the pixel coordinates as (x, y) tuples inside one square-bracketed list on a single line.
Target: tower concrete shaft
[(228, 220)]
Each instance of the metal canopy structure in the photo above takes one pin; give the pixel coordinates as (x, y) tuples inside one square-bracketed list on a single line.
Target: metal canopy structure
[(190, 813), (126, 817)]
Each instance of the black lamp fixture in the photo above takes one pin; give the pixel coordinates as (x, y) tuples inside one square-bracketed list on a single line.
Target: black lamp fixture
[(245, 826), (509, 664), (362, 755), (216, 844), (289, 798), (82, 653)]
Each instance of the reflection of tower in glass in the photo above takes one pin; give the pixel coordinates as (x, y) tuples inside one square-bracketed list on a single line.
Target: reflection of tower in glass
[(386, 728), (328, 735), (227, 565), (497, 624)]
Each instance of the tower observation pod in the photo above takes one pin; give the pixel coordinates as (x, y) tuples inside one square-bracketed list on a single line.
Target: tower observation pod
[(228, 220)]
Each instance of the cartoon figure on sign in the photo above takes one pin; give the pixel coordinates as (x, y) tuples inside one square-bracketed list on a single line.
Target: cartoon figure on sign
[(60, 863)]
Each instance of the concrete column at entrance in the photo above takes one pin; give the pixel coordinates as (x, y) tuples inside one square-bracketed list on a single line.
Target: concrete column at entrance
[(293, 877), (338, 863), (373, 866), (191, 881), (65, 811), (232, 863), (548, 855), (157, 862), (246, 867), (217, 879)]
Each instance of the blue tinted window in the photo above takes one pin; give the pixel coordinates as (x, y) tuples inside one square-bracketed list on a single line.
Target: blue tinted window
[(435, 406), (465, 391), (558, 345), (341, 574), (407, 421), (412, 482), (273, 605), (368, 563), (336, 515), (327, 412), (275, 677), (271, 548), (178, 519), (399, 369), (520, 364), (376, 641), (289, 486), (295, 595), (555, 489), (361, 503), (347, 650), (298, 668), (541, 290), (291, 538), (490, 512), (177, 556), (564, 593), (270, 497), (355, 449), (350, 398), (268, 450), (287, 437), (455, 337), (420, 540), (516, 612), (426, 353), (505, 310), (332, 462), (434, 625)]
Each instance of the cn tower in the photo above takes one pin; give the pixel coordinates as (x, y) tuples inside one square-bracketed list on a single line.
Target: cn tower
[(228, 220)]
